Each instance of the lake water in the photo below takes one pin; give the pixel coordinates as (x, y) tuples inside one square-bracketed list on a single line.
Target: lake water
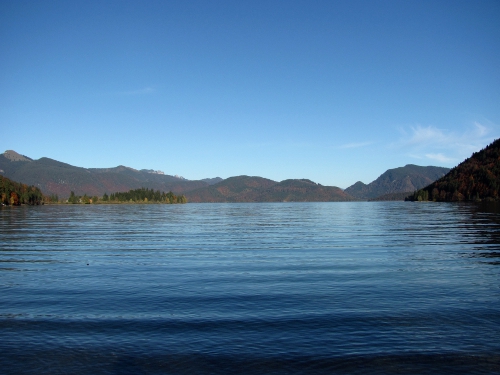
[(272, 288)]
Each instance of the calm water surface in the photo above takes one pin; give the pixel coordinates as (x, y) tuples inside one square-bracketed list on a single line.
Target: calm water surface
[(286, 288)]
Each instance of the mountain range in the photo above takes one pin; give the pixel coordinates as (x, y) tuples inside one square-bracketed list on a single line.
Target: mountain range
[(258, 189), (57, 178)]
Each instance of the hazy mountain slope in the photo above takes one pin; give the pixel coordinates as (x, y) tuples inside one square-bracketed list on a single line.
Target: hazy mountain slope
[(8, 167), (403, 179), (258, 189), (303, 191), (212, 181), (232, 189), (477, 177), (14, 156), (54, 177)]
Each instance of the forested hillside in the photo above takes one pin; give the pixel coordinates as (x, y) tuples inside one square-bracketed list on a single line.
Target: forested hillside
[(57, 178), (258, 189), (15, 194), (476, 178)]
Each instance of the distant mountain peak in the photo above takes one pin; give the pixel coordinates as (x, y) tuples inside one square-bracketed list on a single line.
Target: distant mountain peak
[(14, 156), (409, 178), (212, 181), (152, 171)]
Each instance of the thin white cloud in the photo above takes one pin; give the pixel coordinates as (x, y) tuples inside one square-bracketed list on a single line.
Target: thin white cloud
[(480, 129), (355, 145), (440, 158), (442, 145), (425, 135), (430, 135)]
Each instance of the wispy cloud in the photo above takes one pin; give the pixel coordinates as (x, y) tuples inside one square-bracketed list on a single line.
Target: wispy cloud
[(442, 145), (440, 158), (425, 136), (355, 145), (480, 129)]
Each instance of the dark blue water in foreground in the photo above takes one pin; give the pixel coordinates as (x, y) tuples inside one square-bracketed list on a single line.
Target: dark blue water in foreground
[(299, 288)]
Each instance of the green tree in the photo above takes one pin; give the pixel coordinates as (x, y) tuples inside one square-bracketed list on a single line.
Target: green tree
[(73, 199)]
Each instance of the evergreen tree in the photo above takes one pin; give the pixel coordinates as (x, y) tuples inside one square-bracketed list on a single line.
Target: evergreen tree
[(72, 198), (14, 193)]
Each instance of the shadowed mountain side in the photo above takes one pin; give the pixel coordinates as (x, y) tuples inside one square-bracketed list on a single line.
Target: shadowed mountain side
[(212, 181), (258, 189), (476, 178), (398, 180), (54, 177), (155, 181), (232, 189), (303, 191)]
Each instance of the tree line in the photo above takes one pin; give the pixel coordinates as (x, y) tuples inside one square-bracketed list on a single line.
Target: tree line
[(14, 193), (142, 195)]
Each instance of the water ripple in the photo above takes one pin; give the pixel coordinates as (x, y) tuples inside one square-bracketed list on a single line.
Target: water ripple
[(352, 287)]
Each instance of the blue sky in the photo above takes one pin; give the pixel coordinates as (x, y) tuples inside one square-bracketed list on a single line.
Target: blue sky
[(333, 91)]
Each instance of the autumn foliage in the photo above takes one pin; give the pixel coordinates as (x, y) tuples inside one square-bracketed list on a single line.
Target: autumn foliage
[(476, 178), (14, 193)]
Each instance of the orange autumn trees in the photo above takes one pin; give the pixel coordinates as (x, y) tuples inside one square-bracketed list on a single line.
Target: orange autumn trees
[(14, 193), (476, 178)]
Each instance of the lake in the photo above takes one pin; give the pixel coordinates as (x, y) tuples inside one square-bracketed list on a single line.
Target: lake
[(254, 288)]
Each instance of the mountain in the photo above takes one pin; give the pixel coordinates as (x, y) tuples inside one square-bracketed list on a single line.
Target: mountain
[(303, 191), (212, 181), (14, 156), (398, 180), (232, 189), (258, 189), (476, 178), (55, 177)]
